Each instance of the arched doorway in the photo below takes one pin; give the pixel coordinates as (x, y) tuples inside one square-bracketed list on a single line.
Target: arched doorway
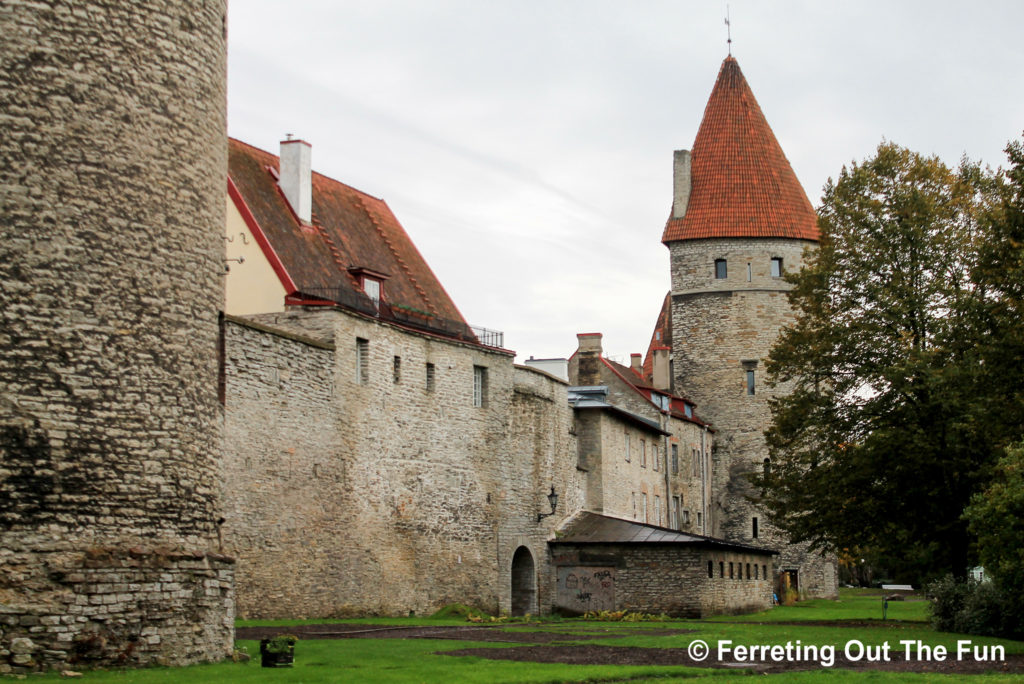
[(524, 583)]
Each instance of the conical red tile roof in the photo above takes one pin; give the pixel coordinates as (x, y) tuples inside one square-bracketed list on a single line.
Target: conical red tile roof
[(742, 183)]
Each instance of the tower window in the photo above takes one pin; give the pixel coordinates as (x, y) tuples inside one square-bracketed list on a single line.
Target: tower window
[(479, 386), (754, 527), (430, 377), (750, 382), (397, 369), (362, 361), (750, 272), (721, 269), (776, 267)]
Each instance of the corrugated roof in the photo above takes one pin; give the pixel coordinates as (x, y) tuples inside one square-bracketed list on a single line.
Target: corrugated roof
[(593, 528), (742, 183), (350, 230)]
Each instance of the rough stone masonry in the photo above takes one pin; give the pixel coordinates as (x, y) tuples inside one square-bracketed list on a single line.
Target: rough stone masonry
[(112, 170)]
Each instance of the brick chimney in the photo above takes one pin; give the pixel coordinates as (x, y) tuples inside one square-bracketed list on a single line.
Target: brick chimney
[(681, 182), (296, 177), (661, 376), (589, 359)]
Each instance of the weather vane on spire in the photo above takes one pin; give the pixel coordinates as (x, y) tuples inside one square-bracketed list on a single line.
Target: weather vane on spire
[(728, 30)]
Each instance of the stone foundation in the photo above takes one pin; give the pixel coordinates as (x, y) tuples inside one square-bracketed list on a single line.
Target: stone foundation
[(129, 607)]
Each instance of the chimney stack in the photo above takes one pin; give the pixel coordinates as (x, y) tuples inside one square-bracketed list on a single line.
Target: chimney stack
[(296, 177), (661, 371), (588, 372), (681, 178), (635, 363)]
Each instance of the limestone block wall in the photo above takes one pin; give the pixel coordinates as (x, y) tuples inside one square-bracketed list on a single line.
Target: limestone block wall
[(657, 578), (284, 481), (354, 486), (113, 167), (541, 454), (723, 328)]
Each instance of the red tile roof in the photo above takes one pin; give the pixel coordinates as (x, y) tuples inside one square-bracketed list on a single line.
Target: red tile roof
[(350, 230), (742, 183), (661, 337)]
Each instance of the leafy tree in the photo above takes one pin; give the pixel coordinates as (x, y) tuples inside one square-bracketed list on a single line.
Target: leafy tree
[(882, 428), (996, 516)]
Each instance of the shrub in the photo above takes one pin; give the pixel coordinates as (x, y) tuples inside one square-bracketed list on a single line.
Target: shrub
[(982, 608)]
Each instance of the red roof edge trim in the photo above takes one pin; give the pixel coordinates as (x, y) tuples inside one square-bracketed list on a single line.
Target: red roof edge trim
[(261, 238)]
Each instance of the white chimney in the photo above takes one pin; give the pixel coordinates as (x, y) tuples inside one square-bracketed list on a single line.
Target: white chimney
[(681, 178), (296, 177)]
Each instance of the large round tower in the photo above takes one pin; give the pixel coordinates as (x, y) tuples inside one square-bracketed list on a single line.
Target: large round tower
[(112, 187), (740, 219)]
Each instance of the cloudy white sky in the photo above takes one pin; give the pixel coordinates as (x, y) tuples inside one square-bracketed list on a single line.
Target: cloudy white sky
[(526, 145)]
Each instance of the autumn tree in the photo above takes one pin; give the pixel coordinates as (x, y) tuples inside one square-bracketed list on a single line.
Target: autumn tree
[(885, 426)]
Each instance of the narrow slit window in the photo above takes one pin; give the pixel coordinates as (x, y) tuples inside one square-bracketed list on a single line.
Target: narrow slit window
[(397, 375), (750, 272), (430, 377), (479, 386), (754, 527), (362, 361), (750, 382)]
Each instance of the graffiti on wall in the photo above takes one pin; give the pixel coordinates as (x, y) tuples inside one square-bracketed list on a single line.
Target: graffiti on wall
[(585, 588)]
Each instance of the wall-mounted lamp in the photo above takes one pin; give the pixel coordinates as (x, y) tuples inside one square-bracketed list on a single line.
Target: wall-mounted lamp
[(553, 500), (227, 267)]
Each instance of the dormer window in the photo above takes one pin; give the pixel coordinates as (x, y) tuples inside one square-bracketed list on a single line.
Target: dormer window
[(371, 287), (372, 283)]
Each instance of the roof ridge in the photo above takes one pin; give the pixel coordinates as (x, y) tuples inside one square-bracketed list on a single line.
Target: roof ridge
[(398, 258)]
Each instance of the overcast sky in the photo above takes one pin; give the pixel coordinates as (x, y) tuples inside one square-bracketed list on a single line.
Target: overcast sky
[(526, 146)]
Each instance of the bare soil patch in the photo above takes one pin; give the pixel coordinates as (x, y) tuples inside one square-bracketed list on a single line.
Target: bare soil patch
[(549, 644), (500, 633)]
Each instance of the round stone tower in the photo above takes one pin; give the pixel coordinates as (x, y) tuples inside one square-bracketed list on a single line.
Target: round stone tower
[(740, 219), (112, 187)]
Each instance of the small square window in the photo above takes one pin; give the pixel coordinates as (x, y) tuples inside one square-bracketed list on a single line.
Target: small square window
[(721, 269), (776, 267)]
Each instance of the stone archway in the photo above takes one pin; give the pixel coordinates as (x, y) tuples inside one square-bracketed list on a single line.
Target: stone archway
[(524, 583)]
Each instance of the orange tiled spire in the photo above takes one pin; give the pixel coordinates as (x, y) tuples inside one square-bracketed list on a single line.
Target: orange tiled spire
[(742, 183)]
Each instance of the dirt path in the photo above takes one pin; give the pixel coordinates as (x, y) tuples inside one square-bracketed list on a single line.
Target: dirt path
[(548, 644)]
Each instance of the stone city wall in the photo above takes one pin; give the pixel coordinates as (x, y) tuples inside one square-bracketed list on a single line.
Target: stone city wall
[(356, 487)]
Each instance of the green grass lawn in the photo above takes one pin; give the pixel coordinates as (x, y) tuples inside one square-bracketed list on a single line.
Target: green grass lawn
[(422, 660)]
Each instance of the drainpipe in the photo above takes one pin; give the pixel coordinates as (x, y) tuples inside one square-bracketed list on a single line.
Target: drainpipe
[(704, 479)]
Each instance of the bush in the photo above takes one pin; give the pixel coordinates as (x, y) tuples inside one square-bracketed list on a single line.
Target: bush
[(982, 608)]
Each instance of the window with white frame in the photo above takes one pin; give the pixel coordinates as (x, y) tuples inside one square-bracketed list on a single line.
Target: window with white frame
[(371, 287), (479, 386)]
